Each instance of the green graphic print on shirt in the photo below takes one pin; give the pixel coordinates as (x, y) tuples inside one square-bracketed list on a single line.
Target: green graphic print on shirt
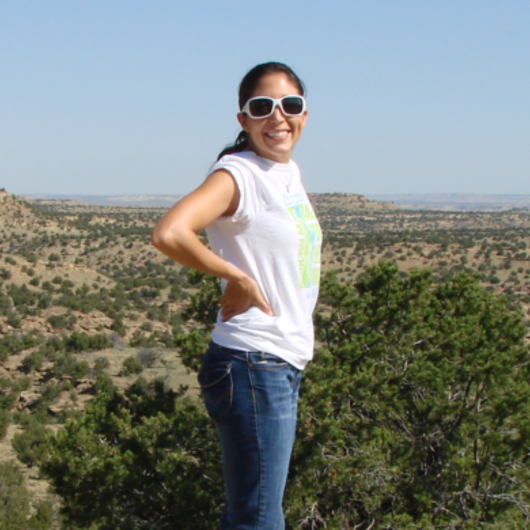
[(309, 246)]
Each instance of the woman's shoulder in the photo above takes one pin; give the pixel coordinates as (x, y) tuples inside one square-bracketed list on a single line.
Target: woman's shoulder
[(237, 164), (250, 166), (243, 157)]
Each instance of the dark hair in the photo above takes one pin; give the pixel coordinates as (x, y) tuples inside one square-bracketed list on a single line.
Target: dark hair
[(246, 89)]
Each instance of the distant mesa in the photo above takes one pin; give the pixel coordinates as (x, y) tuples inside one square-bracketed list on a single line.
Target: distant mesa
[(137, 199), (460, 202), (149, 201), (347, 202), (434, 201)]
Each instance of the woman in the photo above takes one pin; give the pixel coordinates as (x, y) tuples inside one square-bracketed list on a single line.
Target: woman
[(265, 246)]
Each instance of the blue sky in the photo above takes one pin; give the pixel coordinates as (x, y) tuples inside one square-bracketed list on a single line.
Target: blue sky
[(132, 97)]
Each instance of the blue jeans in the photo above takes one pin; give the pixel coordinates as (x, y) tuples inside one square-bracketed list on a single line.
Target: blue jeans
[(252, 397)]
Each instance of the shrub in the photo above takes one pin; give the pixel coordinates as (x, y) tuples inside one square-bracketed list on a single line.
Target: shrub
[(147, 357), (118, 326), (47, 286), (131, 367), (22, 383), (51, 390), (14, 498), (31, 445), (13, 320), (8, 399), (78, 342), (5, 420), (57, 321), (101, 364), (68, 365), (42, 518), (147, 326), (32, 362), (146, 460), (104, 384), (416, 413)]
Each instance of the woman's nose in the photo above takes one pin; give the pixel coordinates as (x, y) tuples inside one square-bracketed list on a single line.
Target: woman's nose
[(277, 113)]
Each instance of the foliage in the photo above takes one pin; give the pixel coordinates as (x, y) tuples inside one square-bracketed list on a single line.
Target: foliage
[(104, 384), (42, 518), (131, 367), (13, 320), (147, 357), (100, 364), (7, 400), (416, 413), (53, 389), (78, 342), (31, 444), (204, 304), (31, 362), (15, 502), (27, 301), (149, 459), (12, 344), (5, 420), (133, 285), (66, 364), (118, 326), (203, 308), (61, 321), (14, 498), (10, 390)]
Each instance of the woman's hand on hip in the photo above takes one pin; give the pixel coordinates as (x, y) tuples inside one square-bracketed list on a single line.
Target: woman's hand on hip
[(241, 294)]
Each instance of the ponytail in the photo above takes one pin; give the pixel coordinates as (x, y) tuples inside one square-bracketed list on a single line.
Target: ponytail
[(241, 144)]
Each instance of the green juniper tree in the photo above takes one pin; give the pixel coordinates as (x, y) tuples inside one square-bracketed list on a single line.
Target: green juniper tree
[(416, 412), (147, 459)]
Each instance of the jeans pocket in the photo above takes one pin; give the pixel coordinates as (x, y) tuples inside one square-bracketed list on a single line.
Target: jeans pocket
[(267, 362), (216, 388)]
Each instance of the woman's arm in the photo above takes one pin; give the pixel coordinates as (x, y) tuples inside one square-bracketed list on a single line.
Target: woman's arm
[(176, 236)]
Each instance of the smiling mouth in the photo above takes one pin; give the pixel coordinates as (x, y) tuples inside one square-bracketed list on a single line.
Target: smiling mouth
[(277, 134)]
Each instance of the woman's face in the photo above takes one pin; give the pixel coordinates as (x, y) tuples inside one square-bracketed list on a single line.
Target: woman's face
[(274, 137)]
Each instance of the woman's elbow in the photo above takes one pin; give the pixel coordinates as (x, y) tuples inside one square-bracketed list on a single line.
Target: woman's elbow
[(161, 239), (170, 241)]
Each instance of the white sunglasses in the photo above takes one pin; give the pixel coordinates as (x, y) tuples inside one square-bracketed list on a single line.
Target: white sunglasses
[(262, 106)]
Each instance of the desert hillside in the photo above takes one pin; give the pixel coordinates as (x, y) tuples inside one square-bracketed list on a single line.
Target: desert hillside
[(82, 293)]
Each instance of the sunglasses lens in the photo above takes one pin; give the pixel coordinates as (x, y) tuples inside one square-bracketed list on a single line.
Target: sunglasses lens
[(260, 107), (293, 105)]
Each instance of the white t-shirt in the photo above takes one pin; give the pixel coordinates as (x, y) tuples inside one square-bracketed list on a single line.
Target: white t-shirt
[(274, 237)]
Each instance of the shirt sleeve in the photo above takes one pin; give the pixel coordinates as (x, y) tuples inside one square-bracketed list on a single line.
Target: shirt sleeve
[(244, 181)]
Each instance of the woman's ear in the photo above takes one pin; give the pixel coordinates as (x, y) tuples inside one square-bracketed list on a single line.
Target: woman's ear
[(242, 119)]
